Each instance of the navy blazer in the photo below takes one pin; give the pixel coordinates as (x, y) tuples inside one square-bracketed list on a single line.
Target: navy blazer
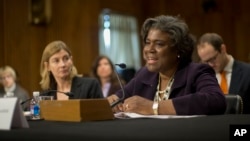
[(195, 89), (240, 83), (84, 88)]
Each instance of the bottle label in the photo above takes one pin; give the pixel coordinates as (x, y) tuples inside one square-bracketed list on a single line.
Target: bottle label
[(36, 111)]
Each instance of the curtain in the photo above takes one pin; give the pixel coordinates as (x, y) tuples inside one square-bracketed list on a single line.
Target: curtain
[(119, 39)]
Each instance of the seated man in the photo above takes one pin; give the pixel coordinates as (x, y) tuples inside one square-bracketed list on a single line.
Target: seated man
[(232, 75)]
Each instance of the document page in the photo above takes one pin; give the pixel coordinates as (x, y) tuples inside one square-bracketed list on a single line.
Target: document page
[(125, 115)]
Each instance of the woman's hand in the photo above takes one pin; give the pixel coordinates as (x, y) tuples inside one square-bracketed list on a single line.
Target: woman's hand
[(118, 107), (137, 104)]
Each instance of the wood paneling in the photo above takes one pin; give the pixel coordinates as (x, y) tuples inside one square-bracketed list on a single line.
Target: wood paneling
[(1, 32), (76, 23)]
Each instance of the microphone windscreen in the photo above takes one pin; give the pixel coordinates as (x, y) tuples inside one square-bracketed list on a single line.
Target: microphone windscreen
[(121, 65)]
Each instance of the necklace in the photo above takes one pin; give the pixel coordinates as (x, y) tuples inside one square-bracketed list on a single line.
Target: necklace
[(164, 93)]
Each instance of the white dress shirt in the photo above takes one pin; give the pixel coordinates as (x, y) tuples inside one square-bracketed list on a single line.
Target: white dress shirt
[(228, 70)]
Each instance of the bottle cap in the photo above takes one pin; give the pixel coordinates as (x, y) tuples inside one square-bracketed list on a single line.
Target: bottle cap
[(36, 93)]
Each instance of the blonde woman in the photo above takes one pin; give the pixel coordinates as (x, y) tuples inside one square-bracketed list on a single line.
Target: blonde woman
[(60, 75)]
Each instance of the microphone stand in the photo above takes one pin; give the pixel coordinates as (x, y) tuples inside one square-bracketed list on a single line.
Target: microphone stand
[(70, 94), (122, 65)]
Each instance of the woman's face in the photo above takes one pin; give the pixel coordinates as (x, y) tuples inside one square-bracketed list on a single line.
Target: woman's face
[(7, 80), (60, 64), (158, 55), (104, 69)]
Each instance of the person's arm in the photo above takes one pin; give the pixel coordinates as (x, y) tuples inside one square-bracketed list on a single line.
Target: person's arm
[(112, 98), (166, 107), (120, 95), (201, 95), (140, 105), (22, 95)]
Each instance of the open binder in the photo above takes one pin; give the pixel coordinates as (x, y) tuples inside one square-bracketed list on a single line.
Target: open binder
[(76, 110)]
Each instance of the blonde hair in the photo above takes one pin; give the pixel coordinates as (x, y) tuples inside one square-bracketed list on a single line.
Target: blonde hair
[(8, 69), (47, 78)]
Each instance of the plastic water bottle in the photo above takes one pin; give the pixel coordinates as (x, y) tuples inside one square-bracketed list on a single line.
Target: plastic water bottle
[(34, 106)]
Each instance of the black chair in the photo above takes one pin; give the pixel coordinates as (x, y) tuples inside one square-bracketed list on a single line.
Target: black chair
[(234, 104)]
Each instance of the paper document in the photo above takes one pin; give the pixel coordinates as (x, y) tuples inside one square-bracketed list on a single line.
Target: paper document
[(125, 115), (11, 114)]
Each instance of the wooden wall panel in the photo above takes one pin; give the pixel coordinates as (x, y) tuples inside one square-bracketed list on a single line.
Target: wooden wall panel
[(242, 30), (1, 32), (16, 39), (76, 23)]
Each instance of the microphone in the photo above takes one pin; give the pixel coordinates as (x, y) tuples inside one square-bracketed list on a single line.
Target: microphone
[(123, 66), (47, 93), (25, 101)]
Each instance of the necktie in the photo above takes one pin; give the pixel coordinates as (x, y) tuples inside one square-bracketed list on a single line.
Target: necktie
[(223, 83)]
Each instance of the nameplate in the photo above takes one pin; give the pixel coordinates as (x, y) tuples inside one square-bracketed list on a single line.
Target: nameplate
[(76, 110), (11, 114)]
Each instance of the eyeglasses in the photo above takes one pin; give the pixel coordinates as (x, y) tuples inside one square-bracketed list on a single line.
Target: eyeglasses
[(212, 59)]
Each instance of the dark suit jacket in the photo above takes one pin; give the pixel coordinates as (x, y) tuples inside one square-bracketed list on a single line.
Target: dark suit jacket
[(195, 89), (240, 83), (19, 92), (83, 88)]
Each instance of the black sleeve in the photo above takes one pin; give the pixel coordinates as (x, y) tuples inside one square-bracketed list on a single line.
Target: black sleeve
[(95, 90)]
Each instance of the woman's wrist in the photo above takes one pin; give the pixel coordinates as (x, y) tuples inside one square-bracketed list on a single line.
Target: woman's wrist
[(155, 107)]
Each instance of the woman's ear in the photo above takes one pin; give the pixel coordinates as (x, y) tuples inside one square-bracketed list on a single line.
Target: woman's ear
[(46, 66)]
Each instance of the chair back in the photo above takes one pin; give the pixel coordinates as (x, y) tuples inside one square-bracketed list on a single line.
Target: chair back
[(234, 104)]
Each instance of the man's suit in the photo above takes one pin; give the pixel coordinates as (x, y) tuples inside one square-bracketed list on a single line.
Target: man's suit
[(240, 83)]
